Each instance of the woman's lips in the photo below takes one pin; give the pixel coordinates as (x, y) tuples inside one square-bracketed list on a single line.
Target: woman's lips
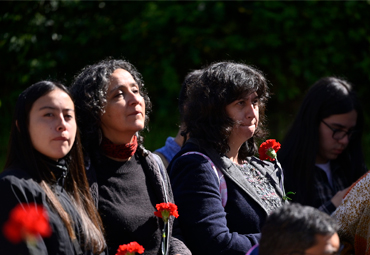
[(135, 113), (60, 139), (338, 151)]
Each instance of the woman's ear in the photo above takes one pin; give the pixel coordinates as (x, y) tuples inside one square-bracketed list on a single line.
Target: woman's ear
[(16, 123)]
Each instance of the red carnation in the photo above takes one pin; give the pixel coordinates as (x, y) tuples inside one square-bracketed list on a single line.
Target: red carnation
[(164, 210), (269, 149), (27, 222), (130, 249)]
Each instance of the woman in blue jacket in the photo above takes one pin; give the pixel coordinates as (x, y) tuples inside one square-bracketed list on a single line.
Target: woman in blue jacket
[(223, 192)]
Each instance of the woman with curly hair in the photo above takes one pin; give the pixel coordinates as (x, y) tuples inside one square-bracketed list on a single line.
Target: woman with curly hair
[(321, 154), (224, 193), (128, 181)]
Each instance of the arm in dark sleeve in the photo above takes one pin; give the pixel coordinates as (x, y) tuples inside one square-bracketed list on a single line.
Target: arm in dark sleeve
[(327, 207), (202, 217), (12, 192)]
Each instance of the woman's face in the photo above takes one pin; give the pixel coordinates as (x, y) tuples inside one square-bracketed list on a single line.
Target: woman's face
[(330, 148), (125, 110), (52, 124), (245, 113)]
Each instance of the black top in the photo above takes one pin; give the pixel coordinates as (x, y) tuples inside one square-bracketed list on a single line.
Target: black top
[(127, 204), (17, 185)]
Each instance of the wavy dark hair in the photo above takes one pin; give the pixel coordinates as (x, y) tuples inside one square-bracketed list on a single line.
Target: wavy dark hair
[(188, 81), (89, 89), (21, 151), (293, 228), (220, 84), (328, 96)]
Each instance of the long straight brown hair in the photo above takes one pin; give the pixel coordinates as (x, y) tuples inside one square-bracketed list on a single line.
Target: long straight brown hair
[(21, 150)]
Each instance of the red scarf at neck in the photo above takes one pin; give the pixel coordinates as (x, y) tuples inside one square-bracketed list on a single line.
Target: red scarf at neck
[(120, 151)]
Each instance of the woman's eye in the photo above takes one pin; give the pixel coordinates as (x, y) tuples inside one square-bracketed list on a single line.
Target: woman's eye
[(68, 117), (241, 102), (48, 115), (119, 94)]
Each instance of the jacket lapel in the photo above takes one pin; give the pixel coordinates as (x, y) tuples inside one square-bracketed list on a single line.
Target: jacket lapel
[(233, 173)]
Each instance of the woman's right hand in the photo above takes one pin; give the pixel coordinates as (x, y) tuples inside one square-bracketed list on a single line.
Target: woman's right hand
[(337, 199)]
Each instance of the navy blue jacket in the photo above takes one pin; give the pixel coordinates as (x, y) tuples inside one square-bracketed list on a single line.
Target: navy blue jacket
[(208, 227)]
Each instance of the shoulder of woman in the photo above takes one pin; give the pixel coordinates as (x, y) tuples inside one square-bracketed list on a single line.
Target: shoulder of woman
[(18, 180), (16, 186), (192, 157), (192, 166), (15, 175), (149, 158)]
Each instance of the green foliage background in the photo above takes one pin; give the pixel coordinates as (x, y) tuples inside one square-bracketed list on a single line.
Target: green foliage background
[(293, 43)]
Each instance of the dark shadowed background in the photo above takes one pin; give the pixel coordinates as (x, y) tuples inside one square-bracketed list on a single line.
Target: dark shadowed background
[(293, 43)]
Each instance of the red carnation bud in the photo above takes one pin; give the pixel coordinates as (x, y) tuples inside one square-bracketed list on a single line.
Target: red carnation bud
[(164, 210), (27, 222), (130, 249), (268, 150)]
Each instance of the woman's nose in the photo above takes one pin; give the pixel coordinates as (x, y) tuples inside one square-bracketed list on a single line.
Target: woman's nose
[(61, 124), (251, 111), (135, 98), (344, 140)]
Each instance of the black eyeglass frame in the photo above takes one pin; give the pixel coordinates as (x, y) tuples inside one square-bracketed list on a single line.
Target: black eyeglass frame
[(348, 133)]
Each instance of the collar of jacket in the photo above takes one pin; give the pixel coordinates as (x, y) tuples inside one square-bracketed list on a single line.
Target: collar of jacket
[(157, 174), (268, 169), (59, 169)]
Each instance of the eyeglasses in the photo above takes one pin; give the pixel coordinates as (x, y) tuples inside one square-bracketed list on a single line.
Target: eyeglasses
[(339, 134)]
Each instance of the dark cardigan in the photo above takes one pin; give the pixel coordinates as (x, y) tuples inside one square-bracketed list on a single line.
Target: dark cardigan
[(18, 186), (159, 184), (208, 227)]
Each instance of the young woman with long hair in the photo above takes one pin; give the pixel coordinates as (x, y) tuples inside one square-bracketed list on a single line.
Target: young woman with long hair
[(322, 154), (45, 167)]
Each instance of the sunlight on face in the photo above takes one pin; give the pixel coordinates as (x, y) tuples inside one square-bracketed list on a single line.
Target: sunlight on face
[(245, 113), (52, 124), (125, 110)]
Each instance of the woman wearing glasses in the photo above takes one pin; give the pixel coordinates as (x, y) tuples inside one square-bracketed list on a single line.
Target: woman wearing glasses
[(321, 154)]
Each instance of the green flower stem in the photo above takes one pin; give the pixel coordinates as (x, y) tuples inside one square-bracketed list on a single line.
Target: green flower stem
[(164, 239)]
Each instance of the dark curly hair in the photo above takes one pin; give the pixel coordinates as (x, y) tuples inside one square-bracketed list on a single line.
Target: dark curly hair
[(89, 91), (220, 84)]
